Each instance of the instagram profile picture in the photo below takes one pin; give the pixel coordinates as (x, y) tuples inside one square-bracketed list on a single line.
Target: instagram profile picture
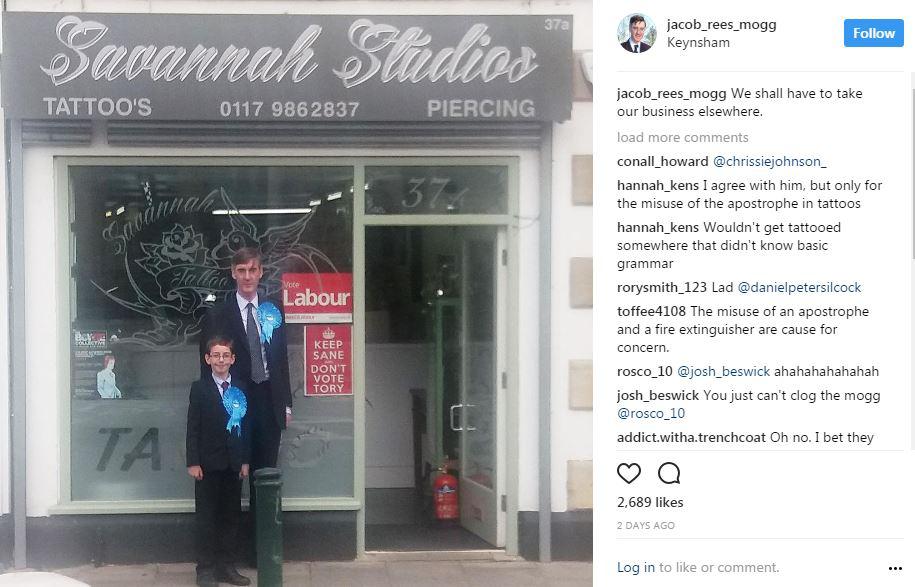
[(636, 33)]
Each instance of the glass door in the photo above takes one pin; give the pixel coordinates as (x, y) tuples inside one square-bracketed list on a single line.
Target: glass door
[(435, 291), (482, 365)]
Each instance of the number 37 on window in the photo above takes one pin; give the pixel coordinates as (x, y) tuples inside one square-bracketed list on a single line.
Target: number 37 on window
[(430, 190)]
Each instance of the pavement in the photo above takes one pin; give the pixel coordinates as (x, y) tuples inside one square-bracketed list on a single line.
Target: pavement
[(408, 573)]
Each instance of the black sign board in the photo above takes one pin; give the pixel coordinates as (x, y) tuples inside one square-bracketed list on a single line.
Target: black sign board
[(286, 67)]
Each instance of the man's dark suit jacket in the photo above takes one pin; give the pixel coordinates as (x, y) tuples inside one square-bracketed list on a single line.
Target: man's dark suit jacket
[(643, 46), (208, 442), (225, 319)]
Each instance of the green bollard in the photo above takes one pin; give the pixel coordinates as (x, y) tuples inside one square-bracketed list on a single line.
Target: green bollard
[(268, 483)]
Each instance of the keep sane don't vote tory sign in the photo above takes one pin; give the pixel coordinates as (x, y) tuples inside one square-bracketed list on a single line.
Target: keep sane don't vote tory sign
[(328, 360)]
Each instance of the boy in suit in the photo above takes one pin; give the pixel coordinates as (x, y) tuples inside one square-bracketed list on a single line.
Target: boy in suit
[(218, 455)]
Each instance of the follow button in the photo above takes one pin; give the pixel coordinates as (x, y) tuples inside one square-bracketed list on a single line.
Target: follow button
[(874, 32)]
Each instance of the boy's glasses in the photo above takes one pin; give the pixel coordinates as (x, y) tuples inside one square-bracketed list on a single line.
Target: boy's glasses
[(221, 355)]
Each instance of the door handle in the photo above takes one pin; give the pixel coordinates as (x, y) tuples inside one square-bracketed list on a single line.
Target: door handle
[(469, 427), (451, 417)]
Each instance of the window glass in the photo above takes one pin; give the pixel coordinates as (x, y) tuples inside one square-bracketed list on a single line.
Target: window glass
[(476, 189), (151, 250)]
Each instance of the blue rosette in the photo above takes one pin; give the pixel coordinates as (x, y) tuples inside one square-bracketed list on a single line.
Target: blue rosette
[(236, 405), (270, 318)]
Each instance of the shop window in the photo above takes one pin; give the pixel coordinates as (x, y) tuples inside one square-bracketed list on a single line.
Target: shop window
[(151, 251)]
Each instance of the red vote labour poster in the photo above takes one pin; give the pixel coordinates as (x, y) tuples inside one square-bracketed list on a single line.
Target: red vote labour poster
[(318, 297)]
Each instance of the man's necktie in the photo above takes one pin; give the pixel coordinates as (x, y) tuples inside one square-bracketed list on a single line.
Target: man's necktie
[(225, 386), (258, 375)]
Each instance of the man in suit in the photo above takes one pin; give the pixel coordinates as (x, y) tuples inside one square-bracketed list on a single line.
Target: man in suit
[(218, 454), (634, 43), (261, 363)]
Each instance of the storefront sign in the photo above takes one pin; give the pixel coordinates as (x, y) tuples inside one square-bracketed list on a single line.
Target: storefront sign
[(287, 67), (328, 360), (318, 297)]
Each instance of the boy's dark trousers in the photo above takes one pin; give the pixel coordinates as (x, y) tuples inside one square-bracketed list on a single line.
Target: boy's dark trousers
[(217, 498)]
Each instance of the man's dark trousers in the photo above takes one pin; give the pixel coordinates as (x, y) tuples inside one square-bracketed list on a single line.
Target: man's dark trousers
[(265, 444), (265, 439)]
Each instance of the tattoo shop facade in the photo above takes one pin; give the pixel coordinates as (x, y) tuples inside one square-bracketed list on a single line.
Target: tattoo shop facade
[(414, 184)]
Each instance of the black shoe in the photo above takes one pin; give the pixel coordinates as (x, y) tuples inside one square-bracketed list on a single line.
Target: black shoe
[(207, 580), (231, 576)]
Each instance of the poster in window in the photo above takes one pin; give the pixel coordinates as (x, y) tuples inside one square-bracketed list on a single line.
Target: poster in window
[(328, 360), (93, 366), (318, 297)]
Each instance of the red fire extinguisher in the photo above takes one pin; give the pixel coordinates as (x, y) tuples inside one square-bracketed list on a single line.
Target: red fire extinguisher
[(445, 496)]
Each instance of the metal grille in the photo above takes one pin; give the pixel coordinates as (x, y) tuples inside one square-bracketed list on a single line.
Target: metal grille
[(56, 132), (240, 134)]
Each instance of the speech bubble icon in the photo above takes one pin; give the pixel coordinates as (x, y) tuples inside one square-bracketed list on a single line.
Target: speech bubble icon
[(669, 473)]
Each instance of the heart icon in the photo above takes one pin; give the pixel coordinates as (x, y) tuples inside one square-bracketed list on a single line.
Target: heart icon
[(629, 472)]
